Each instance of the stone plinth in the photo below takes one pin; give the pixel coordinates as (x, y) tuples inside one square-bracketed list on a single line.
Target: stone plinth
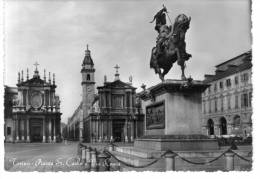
[(173, 117)]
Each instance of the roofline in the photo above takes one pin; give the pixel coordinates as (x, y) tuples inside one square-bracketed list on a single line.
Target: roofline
[(249, 51)]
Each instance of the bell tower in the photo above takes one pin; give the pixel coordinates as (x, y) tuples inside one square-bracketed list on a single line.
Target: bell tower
[(88, 87)]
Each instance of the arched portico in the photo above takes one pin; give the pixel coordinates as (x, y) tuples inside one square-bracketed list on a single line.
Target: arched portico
[(210, 127), (223, 126)]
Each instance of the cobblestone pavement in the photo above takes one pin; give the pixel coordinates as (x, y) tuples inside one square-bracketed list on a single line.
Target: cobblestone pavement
[(42, 157)]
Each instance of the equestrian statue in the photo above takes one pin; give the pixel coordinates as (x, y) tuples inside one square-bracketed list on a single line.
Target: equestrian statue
[(170, 44)]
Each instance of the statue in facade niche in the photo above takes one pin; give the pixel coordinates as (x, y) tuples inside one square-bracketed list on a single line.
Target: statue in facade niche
[(170, 44)]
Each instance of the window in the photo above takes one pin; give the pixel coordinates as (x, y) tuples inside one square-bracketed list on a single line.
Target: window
[(221, 85), (209, 106), (236, 102), (237, 121), (236, 80), (117, 101), (250, 99), (215, 87), (244, 77), (244, 100), (216, 105), (209, 90), (128, 99), (8, 130), (204, 106), (88, 77), (223, 126), (229, 101), (222, 104), (228, 82)]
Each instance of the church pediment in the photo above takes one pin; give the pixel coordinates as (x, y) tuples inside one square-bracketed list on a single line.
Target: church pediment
[(34, 82), (117, 84)]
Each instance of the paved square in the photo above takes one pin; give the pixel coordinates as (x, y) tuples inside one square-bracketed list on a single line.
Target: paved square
[(42, 157)]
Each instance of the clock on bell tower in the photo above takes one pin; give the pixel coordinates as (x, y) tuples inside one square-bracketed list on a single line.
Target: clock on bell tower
[(88, 87)]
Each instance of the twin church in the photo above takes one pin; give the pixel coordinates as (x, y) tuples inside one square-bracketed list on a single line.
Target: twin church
[(111, 114), (32, 110)]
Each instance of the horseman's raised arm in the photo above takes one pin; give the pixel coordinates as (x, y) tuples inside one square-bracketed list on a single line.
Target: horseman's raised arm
[(171, 32)]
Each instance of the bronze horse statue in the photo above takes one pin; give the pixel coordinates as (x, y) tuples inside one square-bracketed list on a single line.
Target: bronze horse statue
[(173, 47)]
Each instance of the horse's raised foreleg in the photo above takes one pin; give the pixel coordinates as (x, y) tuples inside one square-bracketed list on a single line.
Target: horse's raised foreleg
[(183, 77), (181, 62)]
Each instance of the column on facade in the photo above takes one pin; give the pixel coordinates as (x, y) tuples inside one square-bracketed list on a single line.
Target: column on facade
[(49, 130), (102, 129), (22, 129), (105, 99), (14, 131), (49, 100), (27, 96), (230, 125), (130, 100), (136, 130), (43, 131), (132, 131), (54, 130), (28, 130), (17, 129), (126, 131), (217, 127), (109, 129), (99, 130)]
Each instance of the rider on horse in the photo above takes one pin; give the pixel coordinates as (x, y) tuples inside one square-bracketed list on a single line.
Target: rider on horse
[(170, 44)]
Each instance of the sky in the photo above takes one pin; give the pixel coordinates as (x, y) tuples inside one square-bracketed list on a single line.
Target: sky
[(55, 34)]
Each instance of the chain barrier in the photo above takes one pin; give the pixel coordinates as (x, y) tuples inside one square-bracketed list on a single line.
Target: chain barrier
[(168, 151), (130, 165), (201, 163), (243, 158)]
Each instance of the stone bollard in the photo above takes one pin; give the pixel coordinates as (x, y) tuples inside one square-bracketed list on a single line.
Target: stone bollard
[(170, 161), (103, 163), (83, 155), (126, 139), (229, 160), (79, 150), (93, 155), (111, 147), (88, 159)]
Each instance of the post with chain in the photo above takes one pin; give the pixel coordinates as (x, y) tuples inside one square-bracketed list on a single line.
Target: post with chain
[(170, 161), (94, 164), (88, 159), (229, 160), (111, 147), (103, 162), (83, 155)]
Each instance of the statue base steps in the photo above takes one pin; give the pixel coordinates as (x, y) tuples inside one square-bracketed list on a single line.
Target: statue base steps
[(176, 143)]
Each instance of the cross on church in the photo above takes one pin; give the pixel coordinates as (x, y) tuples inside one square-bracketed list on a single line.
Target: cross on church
[(117, 67), (36, 64)]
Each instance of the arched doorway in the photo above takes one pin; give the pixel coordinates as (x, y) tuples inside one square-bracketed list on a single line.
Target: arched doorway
[(210, 126), (223, 126)]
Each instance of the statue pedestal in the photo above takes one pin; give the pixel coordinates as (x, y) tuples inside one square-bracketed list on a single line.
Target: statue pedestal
[(173, 117)]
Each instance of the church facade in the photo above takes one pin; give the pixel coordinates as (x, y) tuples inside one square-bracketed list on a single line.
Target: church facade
[(111, 113), (33, 113)]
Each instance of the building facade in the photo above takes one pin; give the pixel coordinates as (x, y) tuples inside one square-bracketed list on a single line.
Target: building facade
[(226, 104), (10, 94), (109, 114), (35, 115), (73, 124), (114, 115)]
